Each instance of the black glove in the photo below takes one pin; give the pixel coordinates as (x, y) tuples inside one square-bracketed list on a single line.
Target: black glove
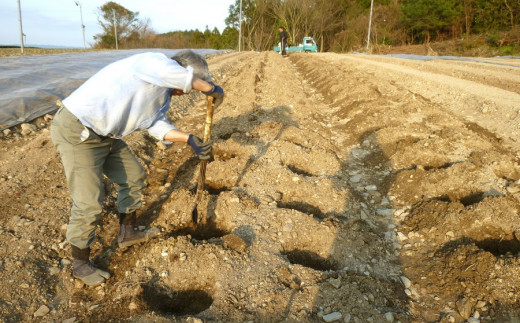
[(203, 150), (217, 93)]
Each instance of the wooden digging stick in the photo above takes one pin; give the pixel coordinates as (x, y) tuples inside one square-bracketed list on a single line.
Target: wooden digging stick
[(202, 173)]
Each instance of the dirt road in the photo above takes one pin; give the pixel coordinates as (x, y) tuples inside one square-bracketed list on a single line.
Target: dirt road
[(374, 189)]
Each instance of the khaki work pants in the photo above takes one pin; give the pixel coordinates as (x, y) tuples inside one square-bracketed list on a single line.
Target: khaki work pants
[(86, 157)]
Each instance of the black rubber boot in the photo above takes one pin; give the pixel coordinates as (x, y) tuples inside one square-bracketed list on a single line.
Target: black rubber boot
[(83, 269), (128, 233)]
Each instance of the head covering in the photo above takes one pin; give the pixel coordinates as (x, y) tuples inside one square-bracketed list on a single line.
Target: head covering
[(188, 57)]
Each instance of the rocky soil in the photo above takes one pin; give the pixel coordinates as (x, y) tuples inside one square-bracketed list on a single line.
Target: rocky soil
[(343, 188)]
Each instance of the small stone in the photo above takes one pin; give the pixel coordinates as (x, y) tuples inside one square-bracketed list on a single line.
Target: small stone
[(335, 282), (334, 316), (384, 212), (69, 320), (54, 270), (389, 316), (27, 128), (78, 284), (346, 319), (371, 188), (65, 262), (355, 179), (132, 306), (480, 304), (24, 285), (389, 235), (465, 307), (401, 236), (473, 320), (42, 311), (194, 320), (234, 242), (7, 132), (183, 256), (398, 212), (48, 117), (295, 179), (406, 282)]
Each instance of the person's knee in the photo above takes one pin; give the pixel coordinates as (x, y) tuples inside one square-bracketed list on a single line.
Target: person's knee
[(140, 177)]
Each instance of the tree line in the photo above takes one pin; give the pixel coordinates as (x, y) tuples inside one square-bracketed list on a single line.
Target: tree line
[(133, 32), (336, 25)]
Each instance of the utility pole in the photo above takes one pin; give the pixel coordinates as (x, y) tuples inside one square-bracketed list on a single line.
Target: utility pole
[(115, 27), (370, 23), (240, 28), (82, 25), (21, 29)]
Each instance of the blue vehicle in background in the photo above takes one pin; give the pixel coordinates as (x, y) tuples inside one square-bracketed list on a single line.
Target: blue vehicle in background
[(308, 46)]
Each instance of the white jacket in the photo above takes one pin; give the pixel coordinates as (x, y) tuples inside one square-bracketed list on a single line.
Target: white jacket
[(130, 94)]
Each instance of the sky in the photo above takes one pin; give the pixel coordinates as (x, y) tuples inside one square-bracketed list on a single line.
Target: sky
[(58, 22)]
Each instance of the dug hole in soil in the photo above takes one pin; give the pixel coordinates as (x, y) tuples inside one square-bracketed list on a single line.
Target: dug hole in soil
[(343, 187)]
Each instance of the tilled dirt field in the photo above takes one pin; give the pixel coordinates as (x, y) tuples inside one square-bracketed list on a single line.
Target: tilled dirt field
[(362, 188)]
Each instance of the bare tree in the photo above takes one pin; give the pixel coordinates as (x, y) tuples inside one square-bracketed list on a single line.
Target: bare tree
[(326, 19), (258, 25), (468, 8), (511, 13), (126, 22), (295, 16)]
